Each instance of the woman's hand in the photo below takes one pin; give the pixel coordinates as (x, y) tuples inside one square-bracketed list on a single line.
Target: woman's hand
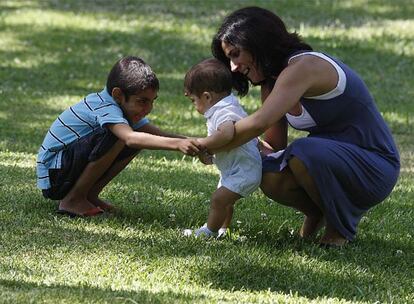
[(205, 157)]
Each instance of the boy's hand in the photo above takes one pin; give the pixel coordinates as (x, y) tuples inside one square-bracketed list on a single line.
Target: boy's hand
[(189, 146)]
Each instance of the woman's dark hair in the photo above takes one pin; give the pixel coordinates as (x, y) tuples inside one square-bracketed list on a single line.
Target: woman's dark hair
[(263, 35), (132, 75), (210, 75)]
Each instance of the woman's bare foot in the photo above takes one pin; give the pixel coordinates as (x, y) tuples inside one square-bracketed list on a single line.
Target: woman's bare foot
[(104, 205), (332, 238), (311, 225)]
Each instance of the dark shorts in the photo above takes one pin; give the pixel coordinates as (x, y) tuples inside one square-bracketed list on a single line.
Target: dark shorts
[(350, 179), (77, 156)]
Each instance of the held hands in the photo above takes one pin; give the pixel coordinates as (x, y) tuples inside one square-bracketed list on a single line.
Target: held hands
[(205, 157), (189, 146), (193, 147)]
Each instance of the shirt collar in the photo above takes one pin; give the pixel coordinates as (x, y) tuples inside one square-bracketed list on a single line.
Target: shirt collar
[(105, 96), (226, 101)]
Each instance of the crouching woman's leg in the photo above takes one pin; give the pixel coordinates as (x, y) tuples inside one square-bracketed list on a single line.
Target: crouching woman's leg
[(284, 188)]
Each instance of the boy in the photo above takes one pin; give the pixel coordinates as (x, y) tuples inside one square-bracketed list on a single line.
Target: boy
[(208, 85), (95, 139)]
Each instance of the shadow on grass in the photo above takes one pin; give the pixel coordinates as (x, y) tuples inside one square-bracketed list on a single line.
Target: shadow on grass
[(235, 266), (11, 290), (254, 264), (313, 12)]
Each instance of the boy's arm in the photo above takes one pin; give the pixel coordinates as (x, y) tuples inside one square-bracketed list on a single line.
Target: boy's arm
[(221, 137), (152, 129), (142, 140)]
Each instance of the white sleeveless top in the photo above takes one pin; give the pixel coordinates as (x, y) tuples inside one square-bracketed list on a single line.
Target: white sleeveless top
[(305, 120)]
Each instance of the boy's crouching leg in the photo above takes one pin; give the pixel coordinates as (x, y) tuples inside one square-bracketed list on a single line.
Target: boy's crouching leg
[(120, 163), (76, 201)]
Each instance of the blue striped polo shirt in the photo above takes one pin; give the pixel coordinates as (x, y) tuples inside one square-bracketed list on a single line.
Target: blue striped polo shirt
[(79, 120)]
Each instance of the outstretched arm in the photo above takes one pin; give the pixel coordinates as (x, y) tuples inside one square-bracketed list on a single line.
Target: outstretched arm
[(221, 137), (142, 140), (153, 129), (310, 76)]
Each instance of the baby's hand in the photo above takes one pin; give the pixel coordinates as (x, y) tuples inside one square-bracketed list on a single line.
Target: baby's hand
[(205, 157), (189, 146)]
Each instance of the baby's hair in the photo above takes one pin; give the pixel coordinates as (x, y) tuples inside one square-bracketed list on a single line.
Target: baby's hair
[(132, 75), (210, 75)]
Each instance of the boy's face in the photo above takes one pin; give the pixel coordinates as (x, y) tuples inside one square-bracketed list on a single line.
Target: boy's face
[(202, 103), (138, 105)]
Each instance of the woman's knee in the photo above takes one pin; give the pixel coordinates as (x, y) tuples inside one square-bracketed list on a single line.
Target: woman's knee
[(267, 184), (276, 185), (297, 166)]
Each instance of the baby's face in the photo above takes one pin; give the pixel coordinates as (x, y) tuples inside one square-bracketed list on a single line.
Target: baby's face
[(201, 103)]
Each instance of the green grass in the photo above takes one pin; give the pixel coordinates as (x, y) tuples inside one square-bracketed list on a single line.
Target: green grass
[(55, 52)]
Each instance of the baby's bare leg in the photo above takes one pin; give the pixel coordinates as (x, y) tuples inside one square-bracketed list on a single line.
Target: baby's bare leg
[(221, 200), (229, 216)]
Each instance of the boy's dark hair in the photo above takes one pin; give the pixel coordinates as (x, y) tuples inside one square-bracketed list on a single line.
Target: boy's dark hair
[(132, 75), (210, 75), (264, 35)]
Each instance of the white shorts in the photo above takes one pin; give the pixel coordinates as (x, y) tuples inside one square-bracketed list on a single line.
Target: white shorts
[(242, 180)]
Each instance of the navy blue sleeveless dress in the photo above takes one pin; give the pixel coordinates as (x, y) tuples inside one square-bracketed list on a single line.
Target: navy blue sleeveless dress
[(349, 152)]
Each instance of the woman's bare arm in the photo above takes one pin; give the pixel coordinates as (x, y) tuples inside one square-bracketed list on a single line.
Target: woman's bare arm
[(307, 76)]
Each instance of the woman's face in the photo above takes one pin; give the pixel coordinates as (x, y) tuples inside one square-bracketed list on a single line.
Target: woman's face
[(242, 61)]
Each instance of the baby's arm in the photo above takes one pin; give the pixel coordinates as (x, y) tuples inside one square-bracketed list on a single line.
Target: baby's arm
[(142, 140), (221, 137)]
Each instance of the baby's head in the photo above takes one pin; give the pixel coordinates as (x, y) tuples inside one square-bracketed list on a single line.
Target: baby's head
[(134, 86), (206, 83)]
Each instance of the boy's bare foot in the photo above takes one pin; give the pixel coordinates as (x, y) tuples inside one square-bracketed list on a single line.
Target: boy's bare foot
[(78, 207), (104, 205), (311, 225)]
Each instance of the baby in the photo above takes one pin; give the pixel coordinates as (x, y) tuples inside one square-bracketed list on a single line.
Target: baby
[(208, 85)]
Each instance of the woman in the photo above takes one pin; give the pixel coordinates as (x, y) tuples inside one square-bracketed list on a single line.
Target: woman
[(349, 161)]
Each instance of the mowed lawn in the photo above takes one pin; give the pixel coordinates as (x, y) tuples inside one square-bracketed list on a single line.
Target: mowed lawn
[(55, 52)]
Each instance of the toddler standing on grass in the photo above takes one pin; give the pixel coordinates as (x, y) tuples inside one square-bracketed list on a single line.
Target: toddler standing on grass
[(93, 140), (208, 85)]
